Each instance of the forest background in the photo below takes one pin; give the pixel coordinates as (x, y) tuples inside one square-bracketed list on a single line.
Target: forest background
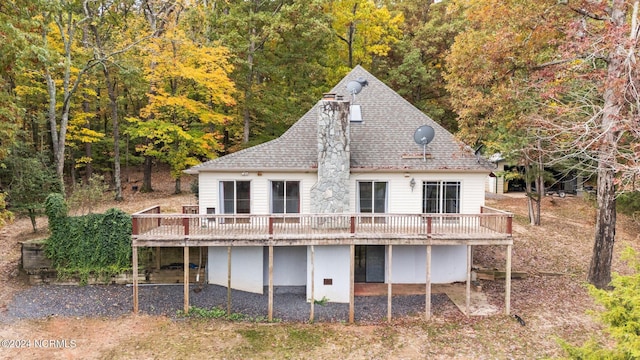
[(91, 86)]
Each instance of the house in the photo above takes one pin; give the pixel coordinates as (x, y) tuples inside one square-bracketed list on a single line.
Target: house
[(557, 182), (351, 193)]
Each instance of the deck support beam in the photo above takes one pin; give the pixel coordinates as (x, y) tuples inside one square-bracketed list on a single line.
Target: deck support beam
[(390, 284), (186, 279), (228, 280), (158, 259), (134, 261), (352, 277), (270, 306), (468, 290), (313, 281), (507, 286), (427, 300)]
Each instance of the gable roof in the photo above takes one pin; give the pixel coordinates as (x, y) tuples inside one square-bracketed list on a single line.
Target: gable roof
[(382, 141)]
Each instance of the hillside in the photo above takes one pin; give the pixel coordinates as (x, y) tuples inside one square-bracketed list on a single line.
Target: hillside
[(552, 300)]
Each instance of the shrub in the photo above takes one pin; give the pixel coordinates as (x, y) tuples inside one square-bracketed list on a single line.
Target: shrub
[(628, 203), (5, 215), (621, 316), (86, 195)]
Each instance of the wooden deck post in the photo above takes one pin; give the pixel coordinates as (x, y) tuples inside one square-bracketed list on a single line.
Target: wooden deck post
[(186, 279), (228, 280), (134, 260), (185, 224), (270, 306), (468, 290), (390, 284), (352, 266), (507, 286), (313, 295), (158, 259), (427, 299)]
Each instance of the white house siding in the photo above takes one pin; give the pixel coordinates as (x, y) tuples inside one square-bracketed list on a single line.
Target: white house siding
[(448, 264), (290, 266), (495, 184), (330, 262), (249, 264), (246, 268), (260, 188), (402, 199)]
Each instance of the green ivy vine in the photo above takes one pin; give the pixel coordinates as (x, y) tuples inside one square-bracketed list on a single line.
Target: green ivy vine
[(89, 245)]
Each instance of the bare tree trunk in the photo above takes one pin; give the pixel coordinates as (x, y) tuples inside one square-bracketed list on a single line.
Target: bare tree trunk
[(146, 178), (116, 133), (248, 92), (178, 187), (615, 83), (534, 198)]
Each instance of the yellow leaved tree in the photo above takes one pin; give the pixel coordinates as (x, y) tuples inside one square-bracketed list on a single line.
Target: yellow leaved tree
[(189, 100)]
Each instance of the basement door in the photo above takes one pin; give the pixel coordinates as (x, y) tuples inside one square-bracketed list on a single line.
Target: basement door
[(369, 263)]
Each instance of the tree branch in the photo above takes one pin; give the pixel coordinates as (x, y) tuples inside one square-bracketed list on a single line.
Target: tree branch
[(589, 14)]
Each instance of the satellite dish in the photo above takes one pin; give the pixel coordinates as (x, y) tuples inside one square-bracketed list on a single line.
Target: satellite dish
[(423, 135), (355, 86)]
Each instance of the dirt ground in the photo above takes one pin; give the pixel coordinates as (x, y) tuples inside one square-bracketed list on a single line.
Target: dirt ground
[(552, 300)]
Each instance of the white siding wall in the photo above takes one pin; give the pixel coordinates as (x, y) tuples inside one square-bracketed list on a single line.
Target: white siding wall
[(246, 268), (289, 266), (401, 199), (448, 264), (330, 262), (260, 189)]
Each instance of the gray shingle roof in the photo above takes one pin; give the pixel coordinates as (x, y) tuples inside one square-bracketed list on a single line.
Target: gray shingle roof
[(382, 141)]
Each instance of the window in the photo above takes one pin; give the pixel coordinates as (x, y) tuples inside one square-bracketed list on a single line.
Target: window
[(441, 197), (372, 199), (373, 196), (235, 197), (285, 197)]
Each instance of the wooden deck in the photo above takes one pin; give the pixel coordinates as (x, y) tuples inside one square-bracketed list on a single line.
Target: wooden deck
[(488, 227), (152, 228)]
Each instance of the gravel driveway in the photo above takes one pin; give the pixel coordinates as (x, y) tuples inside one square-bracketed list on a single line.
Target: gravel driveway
[(116, 300)]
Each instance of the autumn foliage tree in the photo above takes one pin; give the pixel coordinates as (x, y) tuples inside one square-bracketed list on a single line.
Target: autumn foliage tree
[(191, 90), (565, 70), (491, 77)]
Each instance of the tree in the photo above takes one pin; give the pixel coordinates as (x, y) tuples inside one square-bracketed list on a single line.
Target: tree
[(107, 44), (570, 75), (158, 14), (280, 58), (192, 89), (32, 181), (619, 115), (416, 63), (365, 28), (61, 23), (16, 33), (491, 77), (594, 99)]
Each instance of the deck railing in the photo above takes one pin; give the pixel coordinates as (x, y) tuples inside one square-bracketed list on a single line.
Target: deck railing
[(150, 222)]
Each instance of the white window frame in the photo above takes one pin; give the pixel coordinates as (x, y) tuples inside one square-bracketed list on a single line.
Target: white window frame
[(272, 197)]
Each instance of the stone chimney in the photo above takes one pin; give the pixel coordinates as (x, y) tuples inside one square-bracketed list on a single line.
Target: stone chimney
[(331, 193)]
